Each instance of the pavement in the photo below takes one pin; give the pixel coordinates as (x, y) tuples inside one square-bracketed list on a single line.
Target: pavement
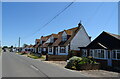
[(14, 65)]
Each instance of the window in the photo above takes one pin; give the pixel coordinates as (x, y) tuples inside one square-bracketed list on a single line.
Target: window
[(44, 49), (50, 49), (116, 54), (95, 53), (64, 38), (99, 53), (51, 40), (92, 53), (40, 41), (62, 49), (84, 52)]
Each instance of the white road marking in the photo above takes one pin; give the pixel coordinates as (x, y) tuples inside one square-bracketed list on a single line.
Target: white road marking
[(34, 67)]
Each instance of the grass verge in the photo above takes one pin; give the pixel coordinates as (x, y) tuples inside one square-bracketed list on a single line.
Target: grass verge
[(35, 57)]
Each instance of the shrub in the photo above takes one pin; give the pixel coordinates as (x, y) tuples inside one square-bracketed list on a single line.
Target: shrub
[(76, 62)]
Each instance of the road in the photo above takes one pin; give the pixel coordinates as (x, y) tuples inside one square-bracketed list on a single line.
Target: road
[(14, 65)]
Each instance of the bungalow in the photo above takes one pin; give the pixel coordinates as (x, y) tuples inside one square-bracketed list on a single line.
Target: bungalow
[(37, 41), (46, 45), (105, 49), (68, 40), (42, 48), (28, 48)]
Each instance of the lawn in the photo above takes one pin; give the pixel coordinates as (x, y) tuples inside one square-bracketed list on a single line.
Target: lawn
[(35, 57)]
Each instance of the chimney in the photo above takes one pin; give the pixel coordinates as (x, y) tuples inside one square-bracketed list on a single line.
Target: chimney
[(79, 25), (90, 38)]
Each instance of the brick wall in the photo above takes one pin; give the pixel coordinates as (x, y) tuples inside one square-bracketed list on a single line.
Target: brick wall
[(103, 63), (116, 63)]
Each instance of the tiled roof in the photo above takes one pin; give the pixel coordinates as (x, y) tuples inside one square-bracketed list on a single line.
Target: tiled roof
[(37, 40), (71, 32), (37, 45), (45, 38), (56, 43), (55, 35)]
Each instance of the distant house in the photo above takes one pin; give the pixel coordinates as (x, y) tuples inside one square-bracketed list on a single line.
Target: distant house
[(68, 40), (37, 41), (42, 47), (28, 48), (105, 49), (47, 45)]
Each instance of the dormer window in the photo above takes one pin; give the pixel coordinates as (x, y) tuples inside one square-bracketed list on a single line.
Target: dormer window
[(64, 38), (52, 40), (41, 42)]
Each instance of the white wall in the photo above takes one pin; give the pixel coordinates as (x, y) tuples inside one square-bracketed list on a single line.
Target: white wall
[(64, 34), (81, 39)]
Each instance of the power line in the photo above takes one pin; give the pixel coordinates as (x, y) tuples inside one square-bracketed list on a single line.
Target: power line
[(53, 18)]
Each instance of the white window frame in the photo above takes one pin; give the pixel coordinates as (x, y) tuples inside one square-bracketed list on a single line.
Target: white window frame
[(50, 49), (64, 38), (84, 51), (96, 57), (64, 48), (115, 54), (91, 53)]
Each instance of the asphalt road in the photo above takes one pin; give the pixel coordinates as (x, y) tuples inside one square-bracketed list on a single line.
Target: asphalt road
[(14, 65)]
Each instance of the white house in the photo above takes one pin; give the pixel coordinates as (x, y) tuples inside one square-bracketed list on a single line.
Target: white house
[(68, 40)]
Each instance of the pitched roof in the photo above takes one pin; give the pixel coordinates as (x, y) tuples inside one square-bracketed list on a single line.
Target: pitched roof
[(54, 35), (106, 41), (37, 40), (56, 43), (114, 35), (45, 38), (37, 45), (68, 32), (71, 32)]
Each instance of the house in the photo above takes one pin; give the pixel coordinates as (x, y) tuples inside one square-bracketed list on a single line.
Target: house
[(28, 48), (37, 41), (105, 49), (41, 47), (68, 40), (47, 45)]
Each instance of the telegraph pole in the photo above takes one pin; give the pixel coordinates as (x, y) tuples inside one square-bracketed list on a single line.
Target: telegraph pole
[(19, 42)]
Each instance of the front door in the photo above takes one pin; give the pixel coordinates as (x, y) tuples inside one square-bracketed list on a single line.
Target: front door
[(56, 50), (109, 57)]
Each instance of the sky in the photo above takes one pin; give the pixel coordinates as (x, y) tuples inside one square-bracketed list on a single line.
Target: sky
[(23, 19)]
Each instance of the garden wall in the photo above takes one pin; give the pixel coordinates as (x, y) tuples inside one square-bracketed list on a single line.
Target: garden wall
[(56, 57)]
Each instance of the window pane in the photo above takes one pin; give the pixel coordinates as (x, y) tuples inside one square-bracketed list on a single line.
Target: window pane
[(118, 55), (62, 50), (114, 54), (95, 53), (102, 53)]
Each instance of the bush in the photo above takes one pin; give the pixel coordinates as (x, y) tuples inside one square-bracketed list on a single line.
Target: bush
[(76, 62)]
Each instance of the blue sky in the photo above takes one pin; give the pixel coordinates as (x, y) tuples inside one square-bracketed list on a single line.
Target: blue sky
[(22, 19)]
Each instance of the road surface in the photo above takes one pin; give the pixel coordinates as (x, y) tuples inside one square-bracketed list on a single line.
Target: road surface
[(14, 65)]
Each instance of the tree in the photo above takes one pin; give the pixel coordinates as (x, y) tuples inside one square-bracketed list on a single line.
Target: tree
[(5, 47), (24, 45)]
